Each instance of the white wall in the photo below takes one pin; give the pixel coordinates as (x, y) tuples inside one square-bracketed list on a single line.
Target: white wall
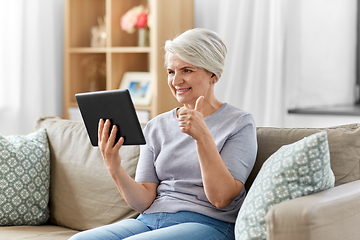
[(315, 121), (319, 66), (320, 58), (31, 64)]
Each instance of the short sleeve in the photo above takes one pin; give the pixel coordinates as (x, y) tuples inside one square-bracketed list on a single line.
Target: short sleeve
[(240, 149), (145, 171)]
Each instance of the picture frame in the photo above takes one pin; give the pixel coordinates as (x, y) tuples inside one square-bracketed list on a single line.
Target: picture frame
[(139, 86)]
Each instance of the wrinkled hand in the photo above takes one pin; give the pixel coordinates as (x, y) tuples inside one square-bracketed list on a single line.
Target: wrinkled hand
[(191, 121), (109, 151)]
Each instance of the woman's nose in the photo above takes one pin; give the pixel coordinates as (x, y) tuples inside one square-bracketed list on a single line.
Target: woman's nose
[(177, 80)]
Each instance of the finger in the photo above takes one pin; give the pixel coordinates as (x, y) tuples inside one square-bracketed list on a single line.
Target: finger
[(112, 137), (183, 112), (100, 129), (182, 118), (198, 103), (119, 143), (105, 135), (183, 129), (182, 123)]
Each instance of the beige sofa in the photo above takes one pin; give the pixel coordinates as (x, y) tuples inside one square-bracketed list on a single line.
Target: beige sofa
[(83, 195)]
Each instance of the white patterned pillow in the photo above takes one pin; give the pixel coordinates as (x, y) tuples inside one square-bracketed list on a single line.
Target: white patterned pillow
[(24, 179), (295, 170)]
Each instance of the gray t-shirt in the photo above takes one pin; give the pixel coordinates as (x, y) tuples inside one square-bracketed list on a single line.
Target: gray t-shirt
[(170, 159)]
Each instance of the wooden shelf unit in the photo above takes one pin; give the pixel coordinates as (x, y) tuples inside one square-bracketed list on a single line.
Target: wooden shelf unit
[(169, 18)]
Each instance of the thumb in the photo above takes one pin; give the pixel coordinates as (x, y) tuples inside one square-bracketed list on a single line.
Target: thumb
[(199, 103)]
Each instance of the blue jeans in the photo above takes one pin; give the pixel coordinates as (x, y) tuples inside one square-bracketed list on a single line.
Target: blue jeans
[(158, 226)]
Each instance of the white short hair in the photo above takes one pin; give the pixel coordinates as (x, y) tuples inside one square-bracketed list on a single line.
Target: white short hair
[(199, 47)]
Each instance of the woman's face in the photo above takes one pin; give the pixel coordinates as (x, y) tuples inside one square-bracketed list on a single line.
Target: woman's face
[(188, 82)]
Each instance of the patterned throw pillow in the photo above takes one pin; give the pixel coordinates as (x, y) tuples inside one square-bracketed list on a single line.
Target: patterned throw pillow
[(295, 170), (24, 179)]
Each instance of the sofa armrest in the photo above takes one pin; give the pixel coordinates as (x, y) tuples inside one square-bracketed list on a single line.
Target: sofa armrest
[(330, 214)]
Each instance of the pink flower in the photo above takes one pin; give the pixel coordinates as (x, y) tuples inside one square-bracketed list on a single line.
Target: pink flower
[(136, 17), (142, 20)]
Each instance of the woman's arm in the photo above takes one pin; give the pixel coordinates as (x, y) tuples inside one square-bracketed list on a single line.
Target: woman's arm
[(220, 186), (138, 196)]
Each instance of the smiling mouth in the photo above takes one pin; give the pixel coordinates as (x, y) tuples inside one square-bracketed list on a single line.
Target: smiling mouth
[(183, 90)]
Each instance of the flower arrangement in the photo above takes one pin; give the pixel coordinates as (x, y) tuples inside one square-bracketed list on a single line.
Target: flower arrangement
[(136, 17)]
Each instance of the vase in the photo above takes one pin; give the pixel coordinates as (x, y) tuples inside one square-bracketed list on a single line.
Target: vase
[(143, 37), (98, 37)]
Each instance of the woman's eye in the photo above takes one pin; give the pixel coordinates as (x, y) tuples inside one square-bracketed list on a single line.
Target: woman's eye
[(187, 70), (170, 72)]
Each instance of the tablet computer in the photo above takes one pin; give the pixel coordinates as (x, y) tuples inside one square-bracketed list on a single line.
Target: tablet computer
[(115, 105)]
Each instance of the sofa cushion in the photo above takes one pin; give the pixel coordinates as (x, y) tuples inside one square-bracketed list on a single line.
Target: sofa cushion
[(344, 145), (24, 179), (43, 232), (295, 170), (82, 193)]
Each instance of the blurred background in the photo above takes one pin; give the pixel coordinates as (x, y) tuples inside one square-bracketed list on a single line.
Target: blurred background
[(282, 55)]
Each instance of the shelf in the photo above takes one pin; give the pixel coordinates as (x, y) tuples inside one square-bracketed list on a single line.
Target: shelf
[(89, 68), (73, 104), (130, 49), (87, 50), (145, 108), (110, 50), (338, 110)]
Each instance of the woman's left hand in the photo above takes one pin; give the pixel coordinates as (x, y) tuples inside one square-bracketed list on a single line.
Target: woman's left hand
[(219, 185), (191, 121)]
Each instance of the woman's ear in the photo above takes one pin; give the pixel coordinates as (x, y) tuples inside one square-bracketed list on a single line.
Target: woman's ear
[(213, 78)]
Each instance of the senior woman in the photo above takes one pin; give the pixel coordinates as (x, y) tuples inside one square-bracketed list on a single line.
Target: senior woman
[(190, 176)]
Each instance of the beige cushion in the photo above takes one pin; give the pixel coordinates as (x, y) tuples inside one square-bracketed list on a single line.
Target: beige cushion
[(82, 193), (344, 145), (44, 232)]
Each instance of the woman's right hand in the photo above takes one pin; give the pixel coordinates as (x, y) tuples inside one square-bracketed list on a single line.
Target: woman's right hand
[(139, 196), (107, 146)]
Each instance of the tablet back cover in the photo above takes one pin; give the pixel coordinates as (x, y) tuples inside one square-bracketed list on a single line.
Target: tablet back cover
[(115, 105)]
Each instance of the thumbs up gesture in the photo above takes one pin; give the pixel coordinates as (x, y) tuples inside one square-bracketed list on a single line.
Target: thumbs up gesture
[(191, 121), (198, 103)]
